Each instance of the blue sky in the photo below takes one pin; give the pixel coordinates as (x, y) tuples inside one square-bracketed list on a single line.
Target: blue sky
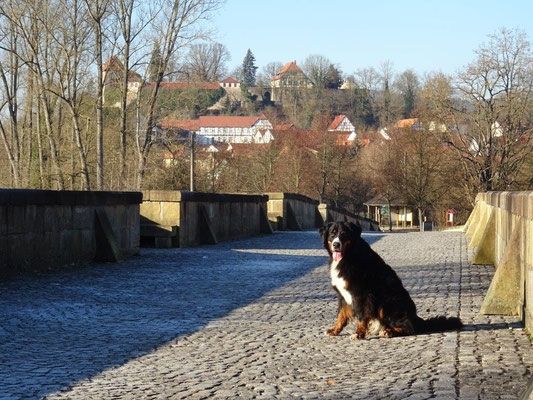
[(423, 35)]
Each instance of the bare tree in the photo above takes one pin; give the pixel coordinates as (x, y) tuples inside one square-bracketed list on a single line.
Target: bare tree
[(408, 84), (176, 27), (72, 61), (133, 17), (486, 111), (33, 21), (419, 160), (316, 68), (267, 73), (9, 75), (386, 97), (205, 62), (97, 10)]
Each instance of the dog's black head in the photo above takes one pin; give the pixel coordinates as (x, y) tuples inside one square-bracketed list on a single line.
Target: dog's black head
[(339, 237)]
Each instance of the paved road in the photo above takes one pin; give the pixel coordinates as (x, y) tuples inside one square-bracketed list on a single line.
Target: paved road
[(246, 319)]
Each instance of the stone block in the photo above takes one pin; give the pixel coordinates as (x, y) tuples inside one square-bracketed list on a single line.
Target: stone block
[(50, 244), (66, 247), (170, 213), (503, 296), (33, 218), (530, 206), (121, 215), (88, 244), (17, 252), (3, 220), (82, 217), (76, 246), (474, 219), (480, 227), (134, 237), (64, 217), (486, 244), (133, 212), (162, 195), (163, 242), (50, 218), (151, 212), (15, 220), (4, 256), (107, 245)]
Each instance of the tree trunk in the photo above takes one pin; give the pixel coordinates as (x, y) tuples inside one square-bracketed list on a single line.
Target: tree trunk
[(390, 214), (81, 151), (99, 111), (191, 177)]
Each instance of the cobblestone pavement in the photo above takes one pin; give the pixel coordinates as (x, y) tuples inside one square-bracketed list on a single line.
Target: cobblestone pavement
[(246, 319)]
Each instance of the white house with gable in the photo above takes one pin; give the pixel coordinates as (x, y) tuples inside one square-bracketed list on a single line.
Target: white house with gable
[(233, 129)]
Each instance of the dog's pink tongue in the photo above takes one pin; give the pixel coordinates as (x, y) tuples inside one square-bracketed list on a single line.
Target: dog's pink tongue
[(337, 255)]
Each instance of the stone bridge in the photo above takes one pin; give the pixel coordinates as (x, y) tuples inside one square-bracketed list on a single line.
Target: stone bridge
[(246, 319)]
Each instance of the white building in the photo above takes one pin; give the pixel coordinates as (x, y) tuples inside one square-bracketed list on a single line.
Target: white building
[(227, 129)]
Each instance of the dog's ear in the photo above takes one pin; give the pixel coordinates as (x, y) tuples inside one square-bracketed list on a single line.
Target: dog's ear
[(324, 230), (355, 229)]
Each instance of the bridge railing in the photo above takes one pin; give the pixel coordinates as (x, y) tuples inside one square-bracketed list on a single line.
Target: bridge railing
[(183, 218), (40, 229), (331, 213), (500, 229)]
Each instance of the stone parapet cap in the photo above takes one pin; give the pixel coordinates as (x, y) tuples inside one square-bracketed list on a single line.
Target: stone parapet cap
[(515, 202), (185, 195), (21, 197), (344, 211), (290, 196)]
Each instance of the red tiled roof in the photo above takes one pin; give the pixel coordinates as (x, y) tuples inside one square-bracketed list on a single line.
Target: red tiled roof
[(230, 80), (406, 123), (229, 121), (336, 122), (188, 85), (185, 124), (290, 66), (114, 64)]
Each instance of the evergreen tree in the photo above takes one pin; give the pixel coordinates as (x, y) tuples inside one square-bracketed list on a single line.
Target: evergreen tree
[(248, 69), (333, 77), (155, 64)]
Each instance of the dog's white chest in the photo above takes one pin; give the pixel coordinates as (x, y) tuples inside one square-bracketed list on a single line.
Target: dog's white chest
[(339, 283)]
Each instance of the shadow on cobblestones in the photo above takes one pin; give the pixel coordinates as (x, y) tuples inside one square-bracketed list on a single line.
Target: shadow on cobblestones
[(66, 326), (492, 327)]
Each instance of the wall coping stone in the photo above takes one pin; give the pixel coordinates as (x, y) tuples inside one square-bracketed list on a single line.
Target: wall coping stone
[(21, 197), (344, 211), (291, 196), (515, 202), (185, 195)]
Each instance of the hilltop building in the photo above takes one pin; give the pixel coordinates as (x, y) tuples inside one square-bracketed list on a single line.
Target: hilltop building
[(287, 79)]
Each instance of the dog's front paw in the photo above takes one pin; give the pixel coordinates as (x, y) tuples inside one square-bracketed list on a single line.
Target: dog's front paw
[(332, 332), (386, 333), (358, 336)]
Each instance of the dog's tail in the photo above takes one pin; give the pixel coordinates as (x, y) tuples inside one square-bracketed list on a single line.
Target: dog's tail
[(437, 324)]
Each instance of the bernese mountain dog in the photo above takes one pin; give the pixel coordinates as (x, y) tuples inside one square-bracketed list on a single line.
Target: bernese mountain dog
[(370, 291)]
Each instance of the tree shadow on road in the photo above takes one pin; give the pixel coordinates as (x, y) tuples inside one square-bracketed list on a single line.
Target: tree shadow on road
[(61, 327)]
